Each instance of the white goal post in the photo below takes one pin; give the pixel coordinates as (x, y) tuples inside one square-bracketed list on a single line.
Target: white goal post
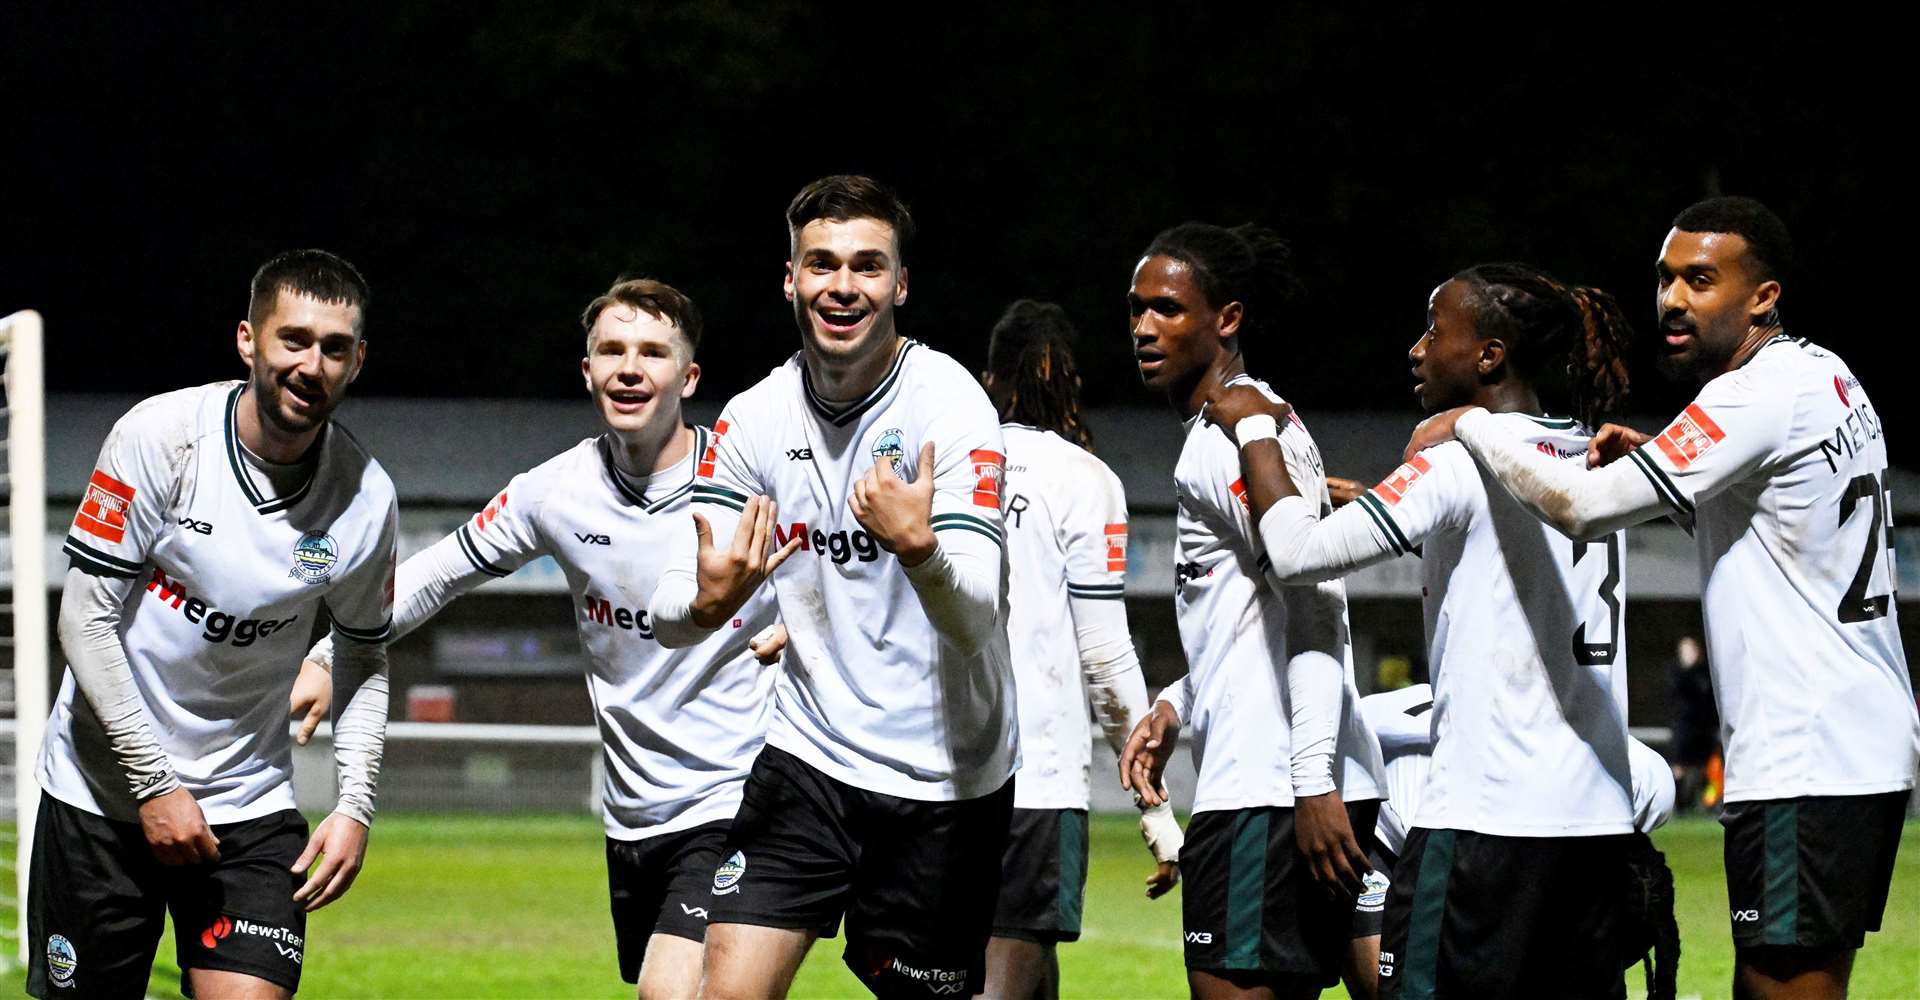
[(23, 701)]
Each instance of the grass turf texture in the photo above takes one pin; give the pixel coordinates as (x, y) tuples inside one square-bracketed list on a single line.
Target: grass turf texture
[(463, 906)]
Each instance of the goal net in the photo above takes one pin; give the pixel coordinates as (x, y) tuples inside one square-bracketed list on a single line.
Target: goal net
[(23, 614)]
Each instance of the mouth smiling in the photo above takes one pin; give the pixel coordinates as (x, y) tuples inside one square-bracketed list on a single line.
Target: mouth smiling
[(627, 399), (840, 321)]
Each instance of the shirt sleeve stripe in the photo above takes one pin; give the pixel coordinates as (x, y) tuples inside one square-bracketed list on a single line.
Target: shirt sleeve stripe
[(472, 552), (1095, 595), (1384, 521), (381, 634), (97, 563), (942, 522), (1661, 484), (719, 495)]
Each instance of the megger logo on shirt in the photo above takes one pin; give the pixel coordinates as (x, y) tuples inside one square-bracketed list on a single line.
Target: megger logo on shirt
[(987, 468), (1689, 437), (103, 514), (1392, 488)]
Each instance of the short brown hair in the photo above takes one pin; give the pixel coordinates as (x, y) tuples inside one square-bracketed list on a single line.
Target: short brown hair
[(655, 298), (316, 274), (850, 196)]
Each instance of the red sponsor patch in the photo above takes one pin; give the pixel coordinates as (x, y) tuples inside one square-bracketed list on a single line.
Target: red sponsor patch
[(705, 468), (485, 517), (1239, 490), (1689, 437), (216, 932), (1841, 388), (103, 514), (1116, 548), (988, 467), (1392, 488)]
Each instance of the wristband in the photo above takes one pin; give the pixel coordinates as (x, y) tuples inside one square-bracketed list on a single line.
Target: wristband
[(1259, 427)]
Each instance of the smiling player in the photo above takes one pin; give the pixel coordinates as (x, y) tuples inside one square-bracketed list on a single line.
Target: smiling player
[(680, 726), (217, 523), (885, 789)]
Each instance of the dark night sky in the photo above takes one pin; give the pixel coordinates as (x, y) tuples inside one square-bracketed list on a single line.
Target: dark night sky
[(491, 167)]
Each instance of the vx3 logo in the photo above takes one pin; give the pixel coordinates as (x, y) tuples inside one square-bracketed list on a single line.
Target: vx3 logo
[(200, 527), (799, 454), (694, 911), (1746, 916), (592, 539), (1199, 937)]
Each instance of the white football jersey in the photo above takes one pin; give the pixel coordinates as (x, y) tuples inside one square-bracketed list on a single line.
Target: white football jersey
[(1066, 521), (228, 581), (869, 693), (1403, 719), (1233, 626), (680, 727), (1525, 644), (1782, 466)]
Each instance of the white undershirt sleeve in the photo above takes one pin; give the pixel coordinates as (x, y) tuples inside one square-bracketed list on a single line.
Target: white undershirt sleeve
[(428, 581), (359, 729), (1179, 697), (959, 588), (1306, 548), (1584, 504), (90, 609), (1115, 686), (1316, 681)]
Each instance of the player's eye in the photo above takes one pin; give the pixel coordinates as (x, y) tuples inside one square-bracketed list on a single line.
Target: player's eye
[(1700, 281)]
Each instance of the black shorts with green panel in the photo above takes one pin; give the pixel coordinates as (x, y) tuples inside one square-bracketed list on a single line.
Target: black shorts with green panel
[(1249, 902), (1810, 872), (1043, 876)]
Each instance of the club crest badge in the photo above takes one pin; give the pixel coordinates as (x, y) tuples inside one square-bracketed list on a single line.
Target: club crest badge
[(314, 556), (726, 878), (890, 445), (62, 960)]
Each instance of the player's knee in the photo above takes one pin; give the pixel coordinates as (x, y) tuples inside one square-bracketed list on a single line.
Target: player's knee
[(671, 968)]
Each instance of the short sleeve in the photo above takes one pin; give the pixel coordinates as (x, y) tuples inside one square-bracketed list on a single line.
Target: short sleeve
[(726, 474), (362, 604), (1728, 432), (123, 509), (969, 468), (505, 535), (1427, 494), (1093, 537)]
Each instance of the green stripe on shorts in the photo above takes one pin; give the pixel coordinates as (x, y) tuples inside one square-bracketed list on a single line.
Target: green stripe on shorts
[(1073, 869), (1780, 896), (1246, 889), (1420, 965)]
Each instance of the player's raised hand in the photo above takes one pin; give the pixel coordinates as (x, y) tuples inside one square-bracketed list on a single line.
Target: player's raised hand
[(727, 576), (340, 843), (1227, 405), (311, 699), (769, 644), (1435, 430), (1144, 757), (1611, 442), (1326, 840), (1345, 491), (896, 513), (176, 829)]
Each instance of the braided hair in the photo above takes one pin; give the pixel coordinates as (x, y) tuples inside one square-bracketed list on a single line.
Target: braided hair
[(1034, 378), (1249, 264), (1569, 342)]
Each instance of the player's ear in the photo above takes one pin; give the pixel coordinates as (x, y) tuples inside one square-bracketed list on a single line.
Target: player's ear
[(691, 380), (1229, 318), (1766, 298), (586, 374), (787, 284), (359, 359), (900, 288), (1493, 354), (243, 342)]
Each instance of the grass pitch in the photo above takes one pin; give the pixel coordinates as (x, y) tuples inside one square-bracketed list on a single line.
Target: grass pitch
[(463, 906)]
